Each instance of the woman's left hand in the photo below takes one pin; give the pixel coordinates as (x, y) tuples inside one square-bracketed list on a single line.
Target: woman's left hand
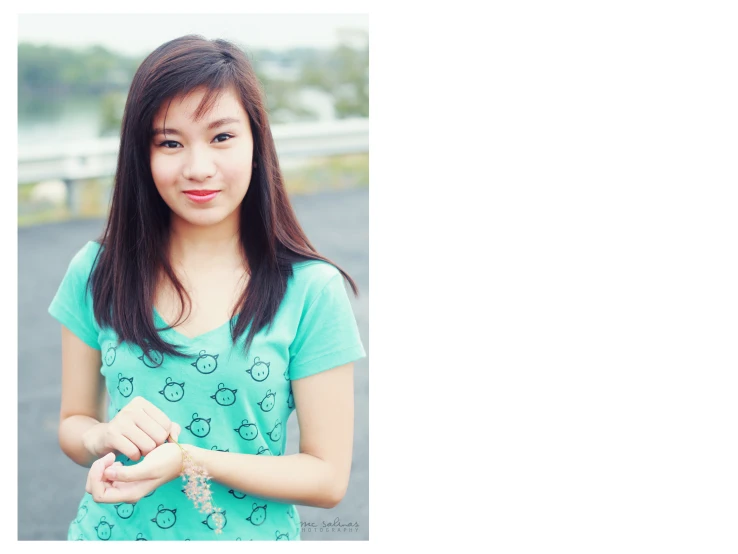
[(111, 482)]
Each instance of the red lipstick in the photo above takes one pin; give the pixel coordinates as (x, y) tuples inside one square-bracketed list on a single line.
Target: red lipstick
[(201, 196)]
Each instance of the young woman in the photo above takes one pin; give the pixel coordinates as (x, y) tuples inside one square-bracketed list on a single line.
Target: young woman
[(207, 317)]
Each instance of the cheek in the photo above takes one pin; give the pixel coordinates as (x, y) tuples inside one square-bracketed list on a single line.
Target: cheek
[(236, 169), (163, 170)]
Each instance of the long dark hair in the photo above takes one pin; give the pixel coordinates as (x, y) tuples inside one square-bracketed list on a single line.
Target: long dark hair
[(134, 244)]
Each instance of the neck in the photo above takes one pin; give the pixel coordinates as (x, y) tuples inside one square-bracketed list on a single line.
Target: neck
[(214, 245)]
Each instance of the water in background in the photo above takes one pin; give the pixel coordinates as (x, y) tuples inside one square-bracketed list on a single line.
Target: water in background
[(53, 120)]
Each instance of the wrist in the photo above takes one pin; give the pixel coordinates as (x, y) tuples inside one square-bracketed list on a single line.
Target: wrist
[(194, 453), (92, 439)]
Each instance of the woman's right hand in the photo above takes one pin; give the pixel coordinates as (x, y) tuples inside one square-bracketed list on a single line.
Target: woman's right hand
[(134, 431)]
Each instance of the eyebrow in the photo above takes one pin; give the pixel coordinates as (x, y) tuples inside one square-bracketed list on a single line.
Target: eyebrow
[(213, 125)]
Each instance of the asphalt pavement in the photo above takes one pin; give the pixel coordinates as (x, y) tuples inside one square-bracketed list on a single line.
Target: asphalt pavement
[(50, 484)]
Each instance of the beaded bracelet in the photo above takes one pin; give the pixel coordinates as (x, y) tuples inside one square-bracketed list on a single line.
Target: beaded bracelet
[(197, 489)]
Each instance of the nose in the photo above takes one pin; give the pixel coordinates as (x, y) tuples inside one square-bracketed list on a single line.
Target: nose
[(199, 165)]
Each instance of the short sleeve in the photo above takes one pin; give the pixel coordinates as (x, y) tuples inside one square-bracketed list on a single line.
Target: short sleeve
[(72, 304), (327, 335)]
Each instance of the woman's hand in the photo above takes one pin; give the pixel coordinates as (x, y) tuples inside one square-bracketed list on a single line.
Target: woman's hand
[(110, 482), (135, 431)]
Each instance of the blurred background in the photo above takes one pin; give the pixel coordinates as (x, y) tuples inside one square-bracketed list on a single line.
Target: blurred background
[(73, 77)]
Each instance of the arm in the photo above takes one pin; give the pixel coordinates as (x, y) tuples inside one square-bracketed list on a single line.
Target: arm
[(82, 399), (317, 476), (83, 435)]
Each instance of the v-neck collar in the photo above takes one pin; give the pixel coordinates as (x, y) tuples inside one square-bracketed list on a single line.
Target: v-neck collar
[(170, 329)]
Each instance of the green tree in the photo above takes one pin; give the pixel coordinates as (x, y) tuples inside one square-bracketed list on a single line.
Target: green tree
[(344, 74)]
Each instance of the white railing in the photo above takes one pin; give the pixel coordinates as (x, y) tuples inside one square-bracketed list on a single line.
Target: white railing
[(97, 158)]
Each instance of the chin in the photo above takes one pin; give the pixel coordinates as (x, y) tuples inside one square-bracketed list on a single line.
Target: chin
[(202, 218)]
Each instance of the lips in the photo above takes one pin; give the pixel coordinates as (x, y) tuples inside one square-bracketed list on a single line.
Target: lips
[(201, 196)]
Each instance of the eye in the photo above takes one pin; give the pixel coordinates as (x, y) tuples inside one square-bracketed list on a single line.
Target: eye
[(226, 135), (168, 142)]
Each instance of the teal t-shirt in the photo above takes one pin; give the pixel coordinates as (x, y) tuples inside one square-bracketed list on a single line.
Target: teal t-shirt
[(223, 399)]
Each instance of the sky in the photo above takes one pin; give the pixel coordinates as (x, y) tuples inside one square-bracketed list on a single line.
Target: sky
[(136, 34)]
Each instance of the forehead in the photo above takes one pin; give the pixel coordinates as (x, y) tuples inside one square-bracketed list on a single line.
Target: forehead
[(185, 107)]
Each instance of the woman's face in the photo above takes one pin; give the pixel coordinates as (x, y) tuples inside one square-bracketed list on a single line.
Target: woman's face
[(202, 169)]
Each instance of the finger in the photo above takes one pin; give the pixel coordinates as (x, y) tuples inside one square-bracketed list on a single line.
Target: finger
[(123, 445), (176, 430), (129, 474), (133, 491), (108, 460), (130, 493), (157, 415), (97, 486), (151, 428), (139, 437), (104, 490)]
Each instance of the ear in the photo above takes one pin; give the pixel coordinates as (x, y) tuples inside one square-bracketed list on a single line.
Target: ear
[(194, 364), (208, 419), (174, 511), (213, 396), (216, 356), (162, 392)]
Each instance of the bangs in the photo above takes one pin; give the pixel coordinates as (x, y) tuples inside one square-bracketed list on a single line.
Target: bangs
[(215, 81)]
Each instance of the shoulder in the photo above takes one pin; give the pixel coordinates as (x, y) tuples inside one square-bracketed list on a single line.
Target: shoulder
[(314, 270), (85, 256), (309, 278)]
